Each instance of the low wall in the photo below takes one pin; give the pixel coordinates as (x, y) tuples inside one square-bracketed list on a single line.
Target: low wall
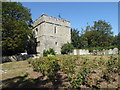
[(95, 52), (17, 57), (75, 52), (80, 52)]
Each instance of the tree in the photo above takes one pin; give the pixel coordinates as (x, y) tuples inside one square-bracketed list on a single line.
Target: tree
[(118, 41), (15, 28), (75, 38), (114, 40), (103, 32), (98, 35), (67, 48)]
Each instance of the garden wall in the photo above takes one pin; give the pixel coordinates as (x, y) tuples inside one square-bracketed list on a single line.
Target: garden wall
[(17, 57), (95, 52), (75, 52)]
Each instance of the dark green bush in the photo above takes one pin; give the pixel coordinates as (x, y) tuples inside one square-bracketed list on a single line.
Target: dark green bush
[(67, 48), (48, 66), (49, 52)]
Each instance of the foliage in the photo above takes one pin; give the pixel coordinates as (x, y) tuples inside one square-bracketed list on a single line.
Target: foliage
[(48, 52), (112, 64), (75, 38), (118, 41), (80, 78), (79, 70), (53, 69), (67, 48), (99, 35), (112, 67), (48, 66), (15, 31), (69, 65)]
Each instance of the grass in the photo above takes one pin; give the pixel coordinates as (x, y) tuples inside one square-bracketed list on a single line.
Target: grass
[(13, 69), (21, 73)]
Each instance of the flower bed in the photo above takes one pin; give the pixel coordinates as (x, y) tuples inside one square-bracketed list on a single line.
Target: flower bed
[(80, 70)]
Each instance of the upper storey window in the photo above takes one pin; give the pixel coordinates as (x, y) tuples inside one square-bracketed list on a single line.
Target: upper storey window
[(55, 29), (37, 29)]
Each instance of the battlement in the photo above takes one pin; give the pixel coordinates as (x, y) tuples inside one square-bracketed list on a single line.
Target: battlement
[(51, 19), (54, 18)]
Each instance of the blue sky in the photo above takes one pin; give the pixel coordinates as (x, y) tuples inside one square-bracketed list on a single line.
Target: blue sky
[(78, 13)]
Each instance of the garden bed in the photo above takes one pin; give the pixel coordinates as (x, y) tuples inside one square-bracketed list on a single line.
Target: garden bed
[(63, 71)]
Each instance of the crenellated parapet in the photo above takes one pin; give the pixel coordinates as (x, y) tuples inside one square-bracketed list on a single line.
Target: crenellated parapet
[(52, 20)]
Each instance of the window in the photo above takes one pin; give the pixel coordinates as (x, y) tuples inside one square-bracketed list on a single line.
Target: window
[(55, 29), (37, 29), (56, 43)]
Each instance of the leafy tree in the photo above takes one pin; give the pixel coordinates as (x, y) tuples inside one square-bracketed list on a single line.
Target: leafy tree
[(15, 28), (118, 41), (67, 48), (75, 38), (114, 40), (103, 33), (98, 35)]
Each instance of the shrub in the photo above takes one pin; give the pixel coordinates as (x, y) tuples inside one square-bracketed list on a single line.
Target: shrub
[(48, 66), (69, 66), (80, 78), (67, 48), (112, 64), (48, 52)]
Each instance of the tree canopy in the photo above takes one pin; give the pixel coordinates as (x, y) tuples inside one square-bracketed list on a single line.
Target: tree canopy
[(15, 28), (98, 35), (75, 38)]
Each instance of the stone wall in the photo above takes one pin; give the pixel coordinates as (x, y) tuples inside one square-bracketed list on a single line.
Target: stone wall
[(80, 52), (17, 58), (95, 52)]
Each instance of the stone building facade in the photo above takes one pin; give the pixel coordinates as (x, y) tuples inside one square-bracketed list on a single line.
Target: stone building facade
[(51, 32)]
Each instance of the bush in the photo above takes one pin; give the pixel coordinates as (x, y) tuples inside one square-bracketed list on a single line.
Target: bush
[(48, 66), (112, 64), (48, 52), (78, 70), (67, 48), (69, 65), (80, 78)]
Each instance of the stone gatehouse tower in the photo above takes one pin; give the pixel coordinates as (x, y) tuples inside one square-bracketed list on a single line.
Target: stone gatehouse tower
[(51, 32)]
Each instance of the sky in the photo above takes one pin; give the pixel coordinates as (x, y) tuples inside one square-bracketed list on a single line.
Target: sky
[(78, 13)]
